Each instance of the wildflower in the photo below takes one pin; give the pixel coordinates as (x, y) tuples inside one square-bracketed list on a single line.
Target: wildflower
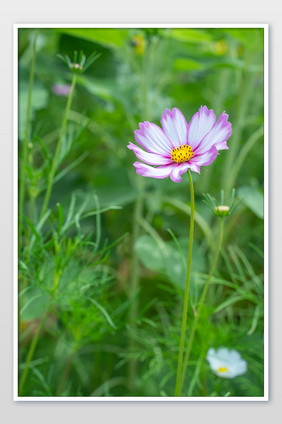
[(226, 363), (61, 89), (221, 47), (138, 43), (178, 146)]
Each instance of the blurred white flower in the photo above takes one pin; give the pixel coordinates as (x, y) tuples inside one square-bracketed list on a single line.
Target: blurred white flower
[(226, 363)]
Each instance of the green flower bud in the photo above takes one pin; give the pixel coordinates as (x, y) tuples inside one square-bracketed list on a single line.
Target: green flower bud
[(222, 210)]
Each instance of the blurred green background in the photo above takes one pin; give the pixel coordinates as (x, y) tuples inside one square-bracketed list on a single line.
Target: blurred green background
[(102, 273)]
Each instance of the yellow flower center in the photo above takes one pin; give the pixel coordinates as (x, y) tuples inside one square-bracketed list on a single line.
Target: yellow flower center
[(222, 369), (182, 153)]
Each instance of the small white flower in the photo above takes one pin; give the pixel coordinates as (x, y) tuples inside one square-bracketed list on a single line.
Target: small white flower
[(226, 363)]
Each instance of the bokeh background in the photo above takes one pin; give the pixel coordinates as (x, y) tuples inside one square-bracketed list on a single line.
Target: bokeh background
[(116, 243)]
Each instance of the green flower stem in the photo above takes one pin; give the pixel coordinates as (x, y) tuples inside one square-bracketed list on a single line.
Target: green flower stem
[(186, 296), (25, 144), (197, 317), (58, 148), (31, 351)]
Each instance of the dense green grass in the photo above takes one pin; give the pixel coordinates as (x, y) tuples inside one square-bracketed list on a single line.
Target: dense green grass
[(102, 260)]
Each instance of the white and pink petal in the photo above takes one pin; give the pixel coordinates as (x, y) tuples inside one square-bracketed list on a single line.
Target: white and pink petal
[(153, 139), (150, 171), (217, 136), (178, 170), (200, 125), (149, 158), (194, 167), (175, 127), (206, 158)]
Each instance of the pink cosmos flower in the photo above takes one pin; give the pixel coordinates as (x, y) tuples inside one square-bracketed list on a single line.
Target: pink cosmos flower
[(61, 89), (178, 146)]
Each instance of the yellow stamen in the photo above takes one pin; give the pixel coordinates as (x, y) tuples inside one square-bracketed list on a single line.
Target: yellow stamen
[(222, 369), (182, 153)]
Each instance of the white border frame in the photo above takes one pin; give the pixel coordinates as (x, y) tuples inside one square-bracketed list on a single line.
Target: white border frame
[(264, 398)]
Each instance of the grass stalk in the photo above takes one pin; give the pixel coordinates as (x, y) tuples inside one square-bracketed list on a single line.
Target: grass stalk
[(242, 156), (202, 299), (58, 148), (137, 216), (25, 143), (31, 352), (243, 99), (65, 374), (37, 334)]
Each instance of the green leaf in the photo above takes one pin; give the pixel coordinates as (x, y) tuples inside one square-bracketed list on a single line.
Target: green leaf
[(150, 254), (230, 301), (35, 303), (104, 89), (108, 37), (252, 38), (184, 64), (253, 199), (104, 312), (165, 258), (190, 35), (40, 97)]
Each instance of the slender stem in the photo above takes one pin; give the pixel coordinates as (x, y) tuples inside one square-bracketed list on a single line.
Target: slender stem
[(33, 345), (196, 319), (186, 296), (243, 98), (65, 374), (58, 148), (242, 156), (132, 366), (25, 144), (31, 351), (145, 74)]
